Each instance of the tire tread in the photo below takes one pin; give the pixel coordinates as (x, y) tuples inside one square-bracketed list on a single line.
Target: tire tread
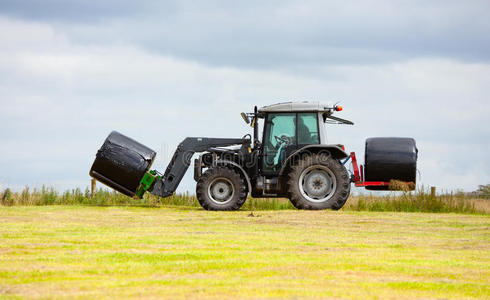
[(340, 196)]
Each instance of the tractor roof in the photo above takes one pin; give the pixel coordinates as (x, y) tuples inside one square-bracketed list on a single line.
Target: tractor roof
[(313, 106)]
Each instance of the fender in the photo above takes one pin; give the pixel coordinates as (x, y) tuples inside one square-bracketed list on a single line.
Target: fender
[(334, 150), (234, 164)]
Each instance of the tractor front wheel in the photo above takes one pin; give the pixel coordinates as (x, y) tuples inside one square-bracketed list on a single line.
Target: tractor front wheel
[(221, 189), (318, 182)]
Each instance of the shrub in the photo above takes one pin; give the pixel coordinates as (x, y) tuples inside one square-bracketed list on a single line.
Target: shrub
[(7, 198), (418, 201)]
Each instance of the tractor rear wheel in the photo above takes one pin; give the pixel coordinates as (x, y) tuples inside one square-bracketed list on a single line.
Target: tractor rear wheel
[(342, 201), (318, 182), (221, 189)]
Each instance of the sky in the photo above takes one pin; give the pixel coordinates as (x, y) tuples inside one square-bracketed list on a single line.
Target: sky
[(71, 71)]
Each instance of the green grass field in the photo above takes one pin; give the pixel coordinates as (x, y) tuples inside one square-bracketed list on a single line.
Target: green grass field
[(110, 252)]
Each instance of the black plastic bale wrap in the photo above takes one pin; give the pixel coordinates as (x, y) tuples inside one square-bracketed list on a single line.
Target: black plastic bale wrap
[(390, 158), (121, 163)]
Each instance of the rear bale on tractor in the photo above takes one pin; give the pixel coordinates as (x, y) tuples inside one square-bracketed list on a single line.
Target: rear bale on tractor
[(393, 160), (121, 163)]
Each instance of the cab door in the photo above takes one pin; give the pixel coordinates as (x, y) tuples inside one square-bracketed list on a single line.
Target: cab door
[(279, 140)]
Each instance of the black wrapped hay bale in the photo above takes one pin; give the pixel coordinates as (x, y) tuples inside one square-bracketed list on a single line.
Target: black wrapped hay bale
[(121, 163), (390, 158)]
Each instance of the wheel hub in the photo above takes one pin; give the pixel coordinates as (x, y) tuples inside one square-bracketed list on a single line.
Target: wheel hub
[(317, 183), (221, 190)]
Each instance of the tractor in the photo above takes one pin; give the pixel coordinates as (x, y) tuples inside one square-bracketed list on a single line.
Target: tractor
[(292, 159)]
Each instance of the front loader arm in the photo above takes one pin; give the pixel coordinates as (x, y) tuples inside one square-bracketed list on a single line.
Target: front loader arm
[(181, 161)]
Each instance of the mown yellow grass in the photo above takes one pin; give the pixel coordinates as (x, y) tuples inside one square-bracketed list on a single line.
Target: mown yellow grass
[(188, 253)]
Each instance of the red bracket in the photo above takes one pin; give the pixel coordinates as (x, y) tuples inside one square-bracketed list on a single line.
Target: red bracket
[(359, 176)]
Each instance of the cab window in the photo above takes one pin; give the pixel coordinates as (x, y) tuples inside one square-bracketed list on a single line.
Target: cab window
[(308, 129)]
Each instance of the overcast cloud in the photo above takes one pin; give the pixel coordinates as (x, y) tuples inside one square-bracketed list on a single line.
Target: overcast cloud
[(158, 71)]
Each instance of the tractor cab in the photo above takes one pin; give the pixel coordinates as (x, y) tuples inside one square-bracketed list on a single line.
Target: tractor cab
[(289, 127), (284, 133)]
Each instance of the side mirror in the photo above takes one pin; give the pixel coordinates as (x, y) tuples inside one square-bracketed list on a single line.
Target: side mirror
[(245, 118)]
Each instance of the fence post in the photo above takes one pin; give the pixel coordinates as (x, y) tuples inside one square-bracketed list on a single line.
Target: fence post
[(93, 187), (433, 192)]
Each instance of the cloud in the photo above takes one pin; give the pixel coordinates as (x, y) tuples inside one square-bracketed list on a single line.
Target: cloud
[(66, 84), (274, 34), (73, 11)]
